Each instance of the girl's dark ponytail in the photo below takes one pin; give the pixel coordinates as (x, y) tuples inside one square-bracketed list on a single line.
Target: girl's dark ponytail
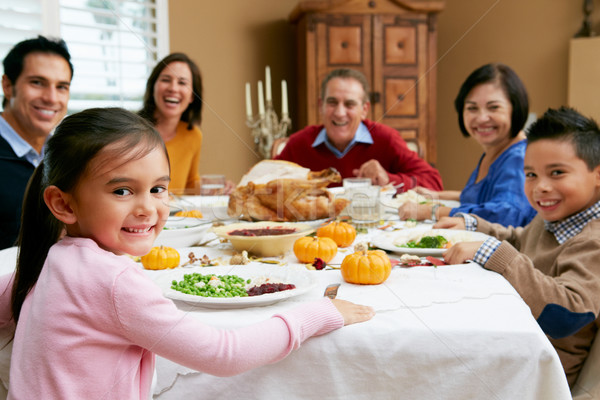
[(39, 231), (75, 142)]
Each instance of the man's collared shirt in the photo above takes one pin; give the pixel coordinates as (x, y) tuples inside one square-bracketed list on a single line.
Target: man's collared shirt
[(21, 148), (362, 136)]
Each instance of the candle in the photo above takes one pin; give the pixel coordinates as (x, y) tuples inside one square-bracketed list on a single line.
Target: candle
[(284, 100), (248, 101), (261, 101), (268, 83)]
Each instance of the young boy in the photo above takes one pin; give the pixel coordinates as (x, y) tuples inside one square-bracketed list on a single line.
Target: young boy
[(554, 262)]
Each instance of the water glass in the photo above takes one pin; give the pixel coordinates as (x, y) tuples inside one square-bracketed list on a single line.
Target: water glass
[(212, 185), (364, 206), (356, 182)]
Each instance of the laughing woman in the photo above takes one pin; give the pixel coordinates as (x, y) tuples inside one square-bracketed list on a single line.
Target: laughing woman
[(492, 107), (173, 104)]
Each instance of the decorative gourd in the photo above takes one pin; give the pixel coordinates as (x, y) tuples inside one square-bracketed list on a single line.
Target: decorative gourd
[(308, 248), (189, 214), (161, 258), (366, 267), (341, 232)]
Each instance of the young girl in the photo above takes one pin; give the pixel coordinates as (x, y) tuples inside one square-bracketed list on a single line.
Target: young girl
[(88, 320)]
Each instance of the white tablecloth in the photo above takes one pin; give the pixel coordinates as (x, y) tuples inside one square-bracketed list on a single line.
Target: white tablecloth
[(451, 332)]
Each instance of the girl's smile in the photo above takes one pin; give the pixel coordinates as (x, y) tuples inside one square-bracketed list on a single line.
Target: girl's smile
[(122, 206)]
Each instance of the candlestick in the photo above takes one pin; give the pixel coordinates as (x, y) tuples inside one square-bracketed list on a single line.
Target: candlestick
[(248, 101), (268, 83), (261, 101), (284, 100), (267, 128)]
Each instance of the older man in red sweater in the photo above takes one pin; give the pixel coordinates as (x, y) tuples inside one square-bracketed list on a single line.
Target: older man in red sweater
[(353, 145)]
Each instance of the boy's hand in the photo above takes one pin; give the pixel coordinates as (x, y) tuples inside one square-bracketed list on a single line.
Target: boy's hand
[(353, 313), (450, 223), (459, 253)]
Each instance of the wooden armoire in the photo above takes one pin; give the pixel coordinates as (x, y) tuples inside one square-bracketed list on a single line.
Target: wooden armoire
[(392, 42)]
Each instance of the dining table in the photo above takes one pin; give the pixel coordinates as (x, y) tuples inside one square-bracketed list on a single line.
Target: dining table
[(439, 332)]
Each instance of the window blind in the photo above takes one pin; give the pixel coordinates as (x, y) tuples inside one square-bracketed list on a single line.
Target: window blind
[(19, 20), (114, 44)]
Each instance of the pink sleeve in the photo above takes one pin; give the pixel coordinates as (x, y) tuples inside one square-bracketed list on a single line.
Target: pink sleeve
[(153, 322)]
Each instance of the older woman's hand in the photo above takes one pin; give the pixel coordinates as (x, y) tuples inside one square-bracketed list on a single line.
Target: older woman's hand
[(412, 210), (450, 223)]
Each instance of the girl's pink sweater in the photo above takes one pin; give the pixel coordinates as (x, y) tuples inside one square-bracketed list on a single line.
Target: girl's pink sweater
[(91, 326)]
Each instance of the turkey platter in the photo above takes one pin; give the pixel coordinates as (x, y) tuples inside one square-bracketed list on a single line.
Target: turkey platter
[(276, 190)]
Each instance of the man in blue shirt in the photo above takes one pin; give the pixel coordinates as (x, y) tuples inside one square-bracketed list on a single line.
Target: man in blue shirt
[(36, 81)]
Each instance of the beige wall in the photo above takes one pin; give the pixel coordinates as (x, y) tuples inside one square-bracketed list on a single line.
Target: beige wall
[(233, 40)]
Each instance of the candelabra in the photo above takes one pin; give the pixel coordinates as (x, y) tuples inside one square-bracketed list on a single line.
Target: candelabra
[(267, 127)]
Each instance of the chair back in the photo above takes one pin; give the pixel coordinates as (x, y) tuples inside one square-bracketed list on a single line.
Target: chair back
[(587, 386)]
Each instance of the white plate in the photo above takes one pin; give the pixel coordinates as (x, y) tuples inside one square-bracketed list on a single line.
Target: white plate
[(389, 241), (212, 207), (337, 190), (297, 275), (396, 202)]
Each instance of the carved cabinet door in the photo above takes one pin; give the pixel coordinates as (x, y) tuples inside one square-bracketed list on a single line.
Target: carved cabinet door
[(394, 52)]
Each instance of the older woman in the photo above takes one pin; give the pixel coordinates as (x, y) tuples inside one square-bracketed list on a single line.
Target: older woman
[(492, 107), (173, 103)]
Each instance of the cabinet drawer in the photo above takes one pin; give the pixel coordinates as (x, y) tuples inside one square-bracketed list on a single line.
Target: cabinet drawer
[(400, 45), (400, 97), (344, 45)]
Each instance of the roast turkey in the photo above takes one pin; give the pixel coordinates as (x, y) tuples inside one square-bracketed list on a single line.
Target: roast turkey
[(276, 190)]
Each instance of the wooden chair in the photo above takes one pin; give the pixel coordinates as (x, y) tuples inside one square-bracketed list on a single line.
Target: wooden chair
[(278, 145), (587, 386)]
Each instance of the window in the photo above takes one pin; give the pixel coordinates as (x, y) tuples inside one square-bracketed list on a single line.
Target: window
[(114, 44)]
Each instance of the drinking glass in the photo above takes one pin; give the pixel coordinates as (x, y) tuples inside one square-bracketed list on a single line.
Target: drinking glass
[(356, 182), (212, 185), (364, 205)]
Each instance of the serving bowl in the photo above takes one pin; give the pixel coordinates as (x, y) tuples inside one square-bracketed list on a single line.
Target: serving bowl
[(265, 244), (182, 232)]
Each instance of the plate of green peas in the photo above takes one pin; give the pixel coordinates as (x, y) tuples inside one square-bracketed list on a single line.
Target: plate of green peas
[(227, 286)]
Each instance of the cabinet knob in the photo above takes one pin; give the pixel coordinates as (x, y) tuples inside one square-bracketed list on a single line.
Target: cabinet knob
[(375, 97), (344, 45), (372, 4), (400, 97)]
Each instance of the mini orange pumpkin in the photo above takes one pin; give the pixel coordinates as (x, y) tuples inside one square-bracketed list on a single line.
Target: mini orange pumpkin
[(189, 214), (366, 267), (161, 258), (341, 232), (308, 248)]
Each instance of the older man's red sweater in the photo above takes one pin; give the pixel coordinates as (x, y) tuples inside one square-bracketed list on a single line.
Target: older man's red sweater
[(402, 164)]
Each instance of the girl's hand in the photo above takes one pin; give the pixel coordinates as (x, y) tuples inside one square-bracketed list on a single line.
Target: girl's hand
[(450, 223), (353, 313), (459, 253)]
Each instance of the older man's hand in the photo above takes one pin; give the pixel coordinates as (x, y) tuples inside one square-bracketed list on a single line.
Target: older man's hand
[(373, 170)]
